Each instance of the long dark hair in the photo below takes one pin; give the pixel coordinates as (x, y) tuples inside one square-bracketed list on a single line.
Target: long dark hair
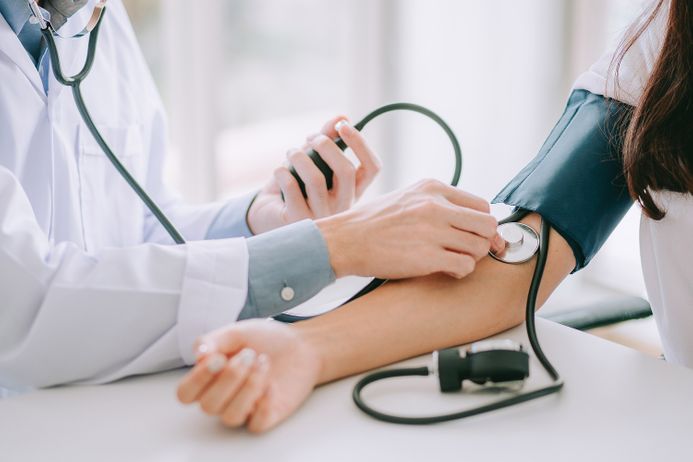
[(658, 142)]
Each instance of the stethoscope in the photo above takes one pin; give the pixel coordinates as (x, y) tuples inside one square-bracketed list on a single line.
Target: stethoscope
[(499, 364), (74, 82), (503, 364)]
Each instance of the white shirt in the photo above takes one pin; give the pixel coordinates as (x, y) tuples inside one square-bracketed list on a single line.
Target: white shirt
[(667, 263), (666, 251)]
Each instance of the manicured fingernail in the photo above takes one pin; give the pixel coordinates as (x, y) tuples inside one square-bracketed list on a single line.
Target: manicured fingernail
[(216, 363), (245, 357), (203, 349), (262, 362), (341, 124)]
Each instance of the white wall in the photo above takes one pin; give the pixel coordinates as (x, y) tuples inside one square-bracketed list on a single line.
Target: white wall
[(494, 70)]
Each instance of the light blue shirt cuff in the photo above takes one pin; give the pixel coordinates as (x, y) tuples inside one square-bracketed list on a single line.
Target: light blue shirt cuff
[(232, 220), (287, 266)]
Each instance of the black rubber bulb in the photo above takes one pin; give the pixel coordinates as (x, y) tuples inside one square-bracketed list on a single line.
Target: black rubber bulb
[(322, 166)]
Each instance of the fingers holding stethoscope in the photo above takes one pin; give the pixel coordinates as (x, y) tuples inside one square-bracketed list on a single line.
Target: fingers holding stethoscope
[(295, 206), (318, 199), (471, 214), (349, 180), (343, 192), (369, 162)]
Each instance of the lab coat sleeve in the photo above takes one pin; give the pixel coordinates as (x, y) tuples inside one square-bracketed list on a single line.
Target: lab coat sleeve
[(69, 316)]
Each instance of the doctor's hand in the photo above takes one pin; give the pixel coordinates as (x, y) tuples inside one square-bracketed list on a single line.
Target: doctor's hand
[(253, 373), (427, 228), (270, 210)]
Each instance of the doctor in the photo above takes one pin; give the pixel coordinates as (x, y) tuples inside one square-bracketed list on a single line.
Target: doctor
[(91, 288)]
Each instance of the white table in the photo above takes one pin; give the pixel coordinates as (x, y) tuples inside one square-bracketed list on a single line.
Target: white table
[(617, 405)]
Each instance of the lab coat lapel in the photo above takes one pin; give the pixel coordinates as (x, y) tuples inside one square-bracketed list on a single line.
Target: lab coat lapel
[(11, 47)]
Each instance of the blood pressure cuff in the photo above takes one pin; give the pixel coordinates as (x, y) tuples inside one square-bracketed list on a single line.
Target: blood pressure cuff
[(576, 182)]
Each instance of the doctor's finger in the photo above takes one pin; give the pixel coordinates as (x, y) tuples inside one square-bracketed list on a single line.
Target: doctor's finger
[(214, 399), (329, 129), (314, 180), (242, 404), (457, 265), (344, 170), (466, 219), (455, 195), (467, 243), (196, 381), (370, 162), (293, 199)]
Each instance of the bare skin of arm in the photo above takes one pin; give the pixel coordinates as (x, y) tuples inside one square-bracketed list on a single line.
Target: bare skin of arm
[(411, 317), (273, 367)]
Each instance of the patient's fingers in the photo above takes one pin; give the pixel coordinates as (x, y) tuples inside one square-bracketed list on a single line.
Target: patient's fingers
[(265, 416), (228, 340), (223, 389), (242, 404), (195, 381)]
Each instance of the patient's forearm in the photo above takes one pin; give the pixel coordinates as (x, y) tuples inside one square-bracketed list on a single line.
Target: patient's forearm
[(411, 317)]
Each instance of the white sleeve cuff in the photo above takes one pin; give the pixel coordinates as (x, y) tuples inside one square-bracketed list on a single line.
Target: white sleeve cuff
[(214, 291)]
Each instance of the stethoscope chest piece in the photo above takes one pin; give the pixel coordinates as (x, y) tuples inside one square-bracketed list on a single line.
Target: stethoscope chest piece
[(522, 243)]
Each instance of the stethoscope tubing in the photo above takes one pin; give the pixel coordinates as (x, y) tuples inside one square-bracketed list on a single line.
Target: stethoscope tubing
[(75, 82), (532, 296)]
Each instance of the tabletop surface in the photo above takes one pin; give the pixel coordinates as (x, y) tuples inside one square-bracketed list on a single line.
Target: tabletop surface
[(617, 404)]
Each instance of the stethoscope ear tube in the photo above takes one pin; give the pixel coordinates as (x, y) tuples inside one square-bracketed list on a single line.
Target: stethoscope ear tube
[(75, 82), (503, 403)]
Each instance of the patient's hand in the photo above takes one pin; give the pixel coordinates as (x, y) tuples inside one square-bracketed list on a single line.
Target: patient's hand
[(253, 373)]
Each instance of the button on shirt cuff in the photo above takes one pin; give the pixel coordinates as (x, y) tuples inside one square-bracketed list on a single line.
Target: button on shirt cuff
[(287, 266)]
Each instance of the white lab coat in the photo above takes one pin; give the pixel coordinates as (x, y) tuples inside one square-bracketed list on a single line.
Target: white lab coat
[(91, 289)]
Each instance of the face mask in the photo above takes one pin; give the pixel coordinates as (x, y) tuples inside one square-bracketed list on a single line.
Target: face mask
[(61, 10)]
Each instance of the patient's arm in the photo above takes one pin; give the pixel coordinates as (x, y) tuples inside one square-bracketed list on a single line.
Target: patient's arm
[(400, 320), (408, 318)]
